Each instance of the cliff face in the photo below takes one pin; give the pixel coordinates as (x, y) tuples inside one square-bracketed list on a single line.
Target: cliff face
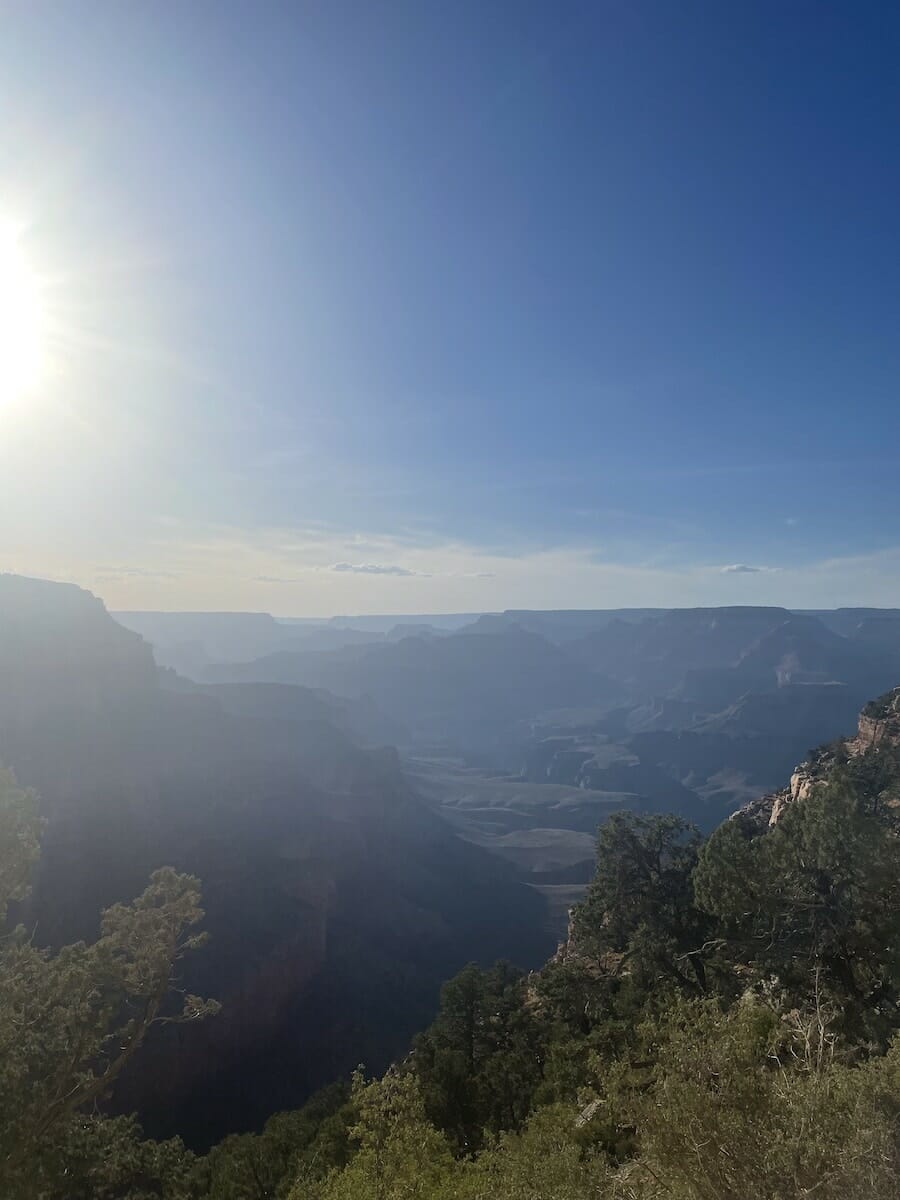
[(878, 728), (67, 674), (879, 723), (58, 645), (188, 642)]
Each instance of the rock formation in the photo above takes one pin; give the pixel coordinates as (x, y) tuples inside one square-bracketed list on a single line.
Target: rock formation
[(878, 727)]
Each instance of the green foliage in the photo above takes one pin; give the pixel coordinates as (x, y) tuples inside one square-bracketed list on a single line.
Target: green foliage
[(883, 706), (20, 834), (481, 1059), (109, 1159), (399, 1156), (639, 912), (743, 1095), (547, 1160), (71, 1021), (726, 1104), (815, 903), (313, 1140), (875, 778)]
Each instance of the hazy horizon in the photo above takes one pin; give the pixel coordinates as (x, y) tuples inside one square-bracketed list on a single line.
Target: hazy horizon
[(852, 583)]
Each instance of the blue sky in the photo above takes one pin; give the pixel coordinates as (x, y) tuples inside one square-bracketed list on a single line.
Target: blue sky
[(483, 304)]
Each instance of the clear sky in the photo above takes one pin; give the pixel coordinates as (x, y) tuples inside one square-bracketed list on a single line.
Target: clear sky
[(389, 306)]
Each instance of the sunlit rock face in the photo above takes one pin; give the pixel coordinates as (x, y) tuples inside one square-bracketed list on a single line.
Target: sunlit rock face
[(878, 728), (879, 723)]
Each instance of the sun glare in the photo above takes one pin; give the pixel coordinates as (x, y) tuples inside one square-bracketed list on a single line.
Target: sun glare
[(21, 320)]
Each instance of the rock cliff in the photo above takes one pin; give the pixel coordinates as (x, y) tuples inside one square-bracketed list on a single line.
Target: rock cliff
[(878, 728)]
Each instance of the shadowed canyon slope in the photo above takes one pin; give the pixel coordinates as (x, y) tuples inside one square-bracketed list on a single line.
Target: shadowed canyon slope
[(332, 893)]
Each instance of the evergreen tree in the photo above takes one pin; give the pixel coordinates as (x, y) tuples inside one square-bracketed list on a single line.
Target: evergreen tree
[(71, 1021), (815, 902), (313, 1140), (481, 1059), (639, 910), (399, 1155)]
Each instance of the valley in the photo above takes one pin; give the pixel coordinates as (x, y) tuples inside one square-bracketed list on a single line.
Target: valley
[(524, 730), (331, 799)]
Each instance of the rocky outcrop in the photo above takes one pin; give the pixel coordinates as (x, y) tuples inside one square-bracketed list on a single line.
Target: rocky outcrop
[(879, 724), (600, 966), (565, 951), (878, 727)]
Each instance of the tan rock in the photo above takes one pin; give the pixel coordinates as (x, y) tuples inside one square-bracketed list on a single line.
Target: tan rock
[(875, 730)]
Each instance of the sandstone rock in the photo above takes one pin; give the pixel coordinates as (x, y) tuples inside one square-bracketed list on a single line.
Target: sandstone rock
[(878, 727)]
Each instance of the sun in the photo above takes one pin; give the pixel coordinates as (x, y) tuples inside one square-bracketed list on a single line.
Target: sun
[(21, 320)]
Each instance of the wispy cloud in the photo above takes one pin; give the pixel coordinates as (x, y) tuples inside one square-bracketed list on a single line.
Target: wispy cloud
[(745, 569), (109, 574), (376, 569), (343, 568)]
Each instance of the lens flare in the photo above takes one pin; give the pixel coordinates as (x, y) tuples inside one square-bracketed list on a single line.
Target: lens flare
[(21, 320)]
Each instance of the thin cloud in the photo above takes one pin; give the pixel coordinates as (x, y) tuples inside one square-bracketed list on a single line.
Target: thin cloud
[(746, 569), (375, 569), (108, 574)]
